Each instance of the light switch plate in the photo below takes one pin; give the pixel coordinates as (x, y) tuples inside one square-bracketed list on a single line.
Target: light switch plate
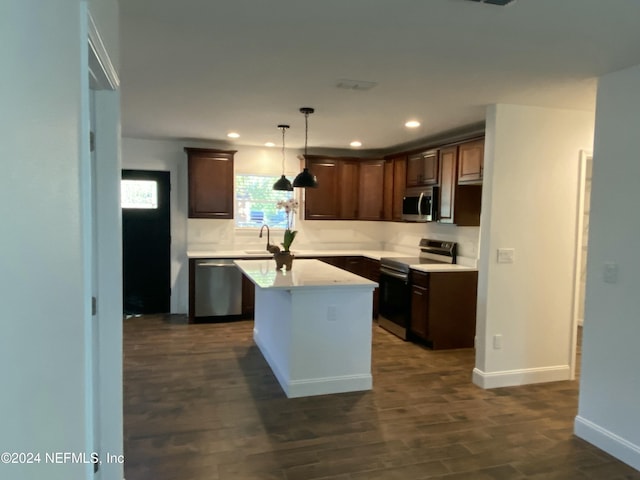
[(610, 272), (506, 255)]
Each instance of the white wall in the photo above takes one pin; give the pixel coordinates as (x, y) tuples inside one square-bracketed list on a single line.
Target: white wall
[(204, 234), (170, 157), (529, 204), (43, 288), (608, 414)]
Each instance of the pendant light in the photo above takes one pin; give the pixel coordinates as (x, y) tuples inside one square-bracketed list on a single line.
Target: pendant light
[(306, 179), (283, 183)]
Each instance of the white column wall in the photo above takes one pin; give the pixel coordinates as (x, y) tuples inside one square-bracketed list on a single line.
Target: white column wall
[(43, 287), (529, 204), (608, 414)]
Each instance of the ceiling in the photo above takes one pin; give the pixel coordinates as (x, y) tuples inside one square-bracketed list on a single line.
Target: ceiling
[(198, 69)]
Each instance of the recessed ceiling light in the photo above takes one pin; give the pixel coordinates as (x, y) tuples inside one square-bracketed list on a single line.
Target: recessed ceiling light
[(233, 135), (269, 144), (412, 124), (356, 143)]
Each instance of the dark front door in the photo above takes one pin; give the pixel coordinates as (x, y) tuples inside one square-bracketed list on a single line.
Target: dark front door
[(146, 240)]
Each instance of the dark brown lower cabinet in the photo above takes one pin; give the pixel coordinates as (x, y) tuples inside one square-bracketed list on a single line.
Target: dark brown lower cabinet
[(371, 269), (335, 261), (248, 297), (419, 311), (355, 265), (443, 308), (362, 266)]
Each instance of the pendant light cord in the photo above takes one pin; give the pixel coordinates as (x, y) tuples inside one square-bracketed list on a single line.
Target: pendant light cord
[(283, 129), (306, 131)]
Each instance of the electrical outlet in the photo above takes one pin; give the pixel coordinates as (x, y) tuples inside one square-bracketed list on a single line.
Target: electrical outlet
[(497, 342), (506, 255)]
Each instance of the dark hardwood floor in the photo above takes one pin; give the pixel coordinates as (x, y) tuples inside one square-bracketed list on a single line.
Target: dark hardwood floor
[(201, 403)]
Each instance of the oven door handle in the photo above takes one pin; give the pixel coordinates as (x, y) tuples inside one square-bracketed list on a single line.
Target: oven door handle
[(420, 204), (400, 276)]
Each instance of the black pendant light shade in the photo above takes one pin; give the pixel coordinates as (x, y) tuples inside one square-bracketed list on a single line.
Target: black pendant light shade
[(283, 183), (306, 179)]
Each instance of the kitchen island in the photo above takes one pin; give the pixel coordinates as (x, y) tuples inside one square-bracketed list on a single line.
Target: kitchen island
[(313, 326)]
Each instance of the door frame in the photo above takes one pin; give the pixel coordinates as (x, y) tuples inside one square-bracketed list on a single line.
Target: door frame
[(102, 255), (584, 156)]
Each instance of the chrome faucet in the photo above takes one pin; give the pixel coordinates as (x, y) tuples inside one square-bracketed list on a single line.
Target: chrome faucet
[(270, 248)]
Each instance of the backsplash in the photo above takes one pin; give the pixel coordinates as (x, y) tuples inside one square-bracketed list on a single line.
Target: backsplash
[(317, 235), (203, 234), (403, 236)]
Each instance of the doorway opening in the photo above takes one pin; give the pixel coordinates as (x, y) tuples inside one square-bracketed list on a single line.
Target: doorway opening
[(146, 241), (580, 269)]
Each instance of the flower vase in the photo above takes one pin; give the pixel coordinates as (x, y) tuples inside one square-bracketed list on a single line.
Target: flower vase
[(283, 259)]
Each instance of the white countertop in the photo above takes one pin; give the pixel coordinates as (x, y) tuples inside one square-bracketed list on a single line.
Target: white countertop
[(256, 253), (442, 267), (304, 274), (373, 254)]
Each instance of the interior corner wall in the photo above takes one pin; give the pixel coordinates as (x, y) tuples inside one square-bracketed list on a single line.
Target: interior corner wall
[(529, 205), (42, 287), (610, 382)]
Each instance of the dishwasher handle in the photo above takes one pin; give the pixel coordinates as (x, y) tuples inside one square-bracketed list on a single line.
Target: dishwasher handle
[(212, 264)]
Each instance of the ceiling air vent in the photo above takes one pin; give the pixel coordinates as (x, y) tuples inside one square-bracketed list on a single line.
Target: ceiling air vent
[(360, 85), (501, 3)]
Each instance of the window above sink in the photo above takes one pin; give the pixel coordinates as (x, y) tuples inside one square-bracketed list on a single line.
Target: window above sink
[(255, 202)]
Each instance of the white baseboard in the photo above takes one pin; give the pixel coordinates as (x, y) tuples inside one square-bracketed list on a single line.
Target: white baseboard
[(328, 385), (526, 376), (611, 443)]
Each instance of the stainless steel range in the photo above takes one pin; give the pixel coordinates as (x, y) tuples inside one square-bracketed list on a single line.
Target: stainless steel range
[(395, 283)]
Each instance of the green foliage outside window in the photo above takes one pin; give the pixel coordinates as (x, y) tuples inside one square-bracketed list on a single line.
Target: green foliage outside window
[(256, 202)]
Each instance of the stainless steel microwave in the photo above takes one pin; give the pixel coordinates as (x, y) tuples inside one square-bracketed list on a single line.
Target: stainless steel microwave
[(420, 204)]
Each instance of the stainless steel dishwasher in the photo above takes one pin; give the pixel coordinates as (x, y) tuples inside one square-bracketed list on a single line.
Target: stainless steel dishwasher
[(218, 288)]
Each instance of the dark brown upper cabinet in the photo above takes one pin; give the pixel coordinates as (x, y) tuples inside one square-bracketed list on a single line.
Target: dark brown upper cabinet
[(395, 183), (422, 169), (322, 203), (459, 203), (471, 162), (210, 182), (448, 183), (370, 190), (348, 179)]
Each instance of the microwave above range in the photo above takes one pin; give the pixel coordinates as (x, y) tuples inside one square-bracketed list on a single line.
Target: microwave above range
[(420, 204)]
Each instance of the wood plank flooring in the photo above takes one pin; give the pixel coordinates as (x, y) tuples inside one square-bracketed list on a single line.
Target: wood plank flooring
[(201, 403)]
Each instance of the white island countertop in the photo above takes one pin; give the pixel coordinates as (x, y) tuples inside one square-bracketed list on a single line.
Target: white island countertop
[(305, 274)]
